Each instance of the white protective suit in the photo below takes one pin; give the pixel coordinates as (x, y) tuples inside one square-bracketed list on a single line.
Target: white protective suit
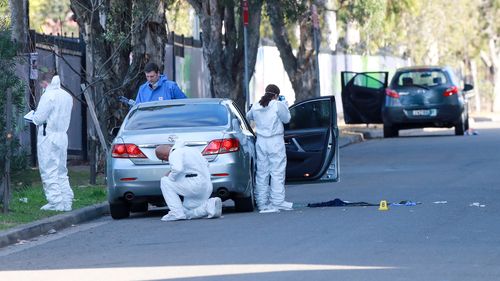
[(189, 177), (54, 110), (271, 155)]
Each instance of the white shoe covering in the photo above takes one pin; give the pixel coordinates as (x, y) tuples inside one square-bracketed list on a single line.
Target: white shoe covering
[(53, 207), (286, 206), (214, 207), (172, 217), (268, 209)]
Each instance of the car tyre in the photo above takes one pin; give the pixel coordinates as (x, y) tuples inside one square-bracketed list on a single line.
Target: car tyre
[(460, 127), (139, 207), (390, 131), (119, 210)]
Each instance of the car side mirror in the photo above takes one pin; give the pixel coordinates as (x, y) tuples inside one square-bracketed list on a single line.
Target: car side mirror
[(468, 87), (114, 131)]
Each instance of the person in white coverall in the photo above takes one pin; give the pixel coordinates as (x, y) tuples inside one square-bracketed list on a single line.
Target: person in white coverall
[(269, 114), (52, 118), (189, 177)]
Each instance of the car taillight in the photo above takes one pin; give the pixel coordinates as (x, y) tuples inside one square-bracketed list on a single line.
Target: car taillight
[(221, 146), (127, 150), (450, 91), (391, 93)]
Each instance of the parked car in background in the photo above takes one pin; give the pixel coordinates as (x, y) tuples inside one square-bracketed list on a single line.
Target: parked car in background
[(222, 134), (417, 97)]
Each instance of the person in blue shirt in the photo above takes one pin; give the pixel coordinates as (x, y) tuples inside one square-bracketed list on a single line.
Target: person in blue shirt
[(157, 87)]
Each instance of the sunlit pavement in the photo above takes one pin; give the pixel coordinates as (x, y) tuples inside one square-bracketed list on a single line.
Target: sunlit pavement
[(171, 272)]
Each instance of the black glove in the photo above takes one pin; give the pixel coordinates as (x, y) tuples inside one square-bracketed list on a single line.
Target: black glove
[(124, 100)]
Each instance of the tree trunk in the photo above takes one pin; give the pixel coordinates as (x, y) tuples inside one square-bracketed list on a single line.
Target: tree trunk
[(19, 21), (477, 96), (224, 53), (495, 71), (301, 67), (112, 31), (148, 43)]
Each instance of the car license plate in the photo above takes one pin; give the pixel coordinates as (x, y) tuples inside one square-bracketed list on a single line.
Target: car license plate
[(424, 112)]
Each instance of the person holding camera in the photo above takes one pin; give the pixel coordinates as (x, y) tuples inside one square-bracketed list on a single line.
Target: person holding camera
[(269, 114)]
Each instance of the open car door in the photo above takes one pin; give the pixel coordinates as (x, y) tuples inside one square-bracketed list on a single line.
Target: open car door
[(363, 95), (311, 141)]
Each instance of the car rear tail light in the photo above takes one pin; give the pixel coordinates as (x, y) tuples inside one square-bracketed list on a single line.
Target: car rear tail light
[(391, 93), (221, 146), (127, 150), (450, 91)]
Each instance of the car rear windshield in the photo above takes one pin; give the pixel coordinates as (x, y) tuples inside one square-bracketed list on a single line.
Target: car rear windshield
[(175, 116), (428, 78)]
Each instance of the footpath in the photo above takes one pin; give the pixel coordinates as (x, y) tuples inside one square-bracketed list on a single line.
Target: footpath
[(349, 134)]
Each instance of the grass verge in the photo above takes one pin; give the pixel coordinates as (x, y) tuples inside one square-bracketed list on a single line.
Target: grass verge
[(28, 195)]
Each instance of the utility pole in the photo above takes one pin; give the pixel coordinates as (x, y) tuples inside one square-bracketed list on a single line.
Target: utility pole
[(245, 24), (315, 21), (32, 95)]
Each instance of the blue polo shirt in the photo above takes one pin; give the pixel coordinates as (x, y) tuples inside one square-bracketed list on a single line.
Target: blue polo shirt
[(166, 90)]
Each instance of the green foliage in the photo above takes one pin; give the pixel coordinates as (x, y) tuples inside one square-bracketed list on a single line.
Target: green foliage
[(363, 12), (9, 81), (4, 13), (293, 13), (45, 16), (117, 24), (179, 18), (294, 9)]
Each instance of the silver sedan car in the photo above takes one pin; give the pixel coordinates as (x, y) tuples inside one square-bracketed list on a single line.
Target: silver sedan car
[(219, 130)]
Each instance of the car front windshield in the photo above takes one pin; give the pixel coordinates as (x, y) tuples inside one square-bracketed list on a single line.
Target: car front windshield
[(422, 77), (177, 116)]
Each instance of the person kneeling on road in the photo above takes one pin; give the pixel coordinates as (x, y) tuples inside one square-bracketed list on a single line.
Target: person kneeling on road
[(189, 177)]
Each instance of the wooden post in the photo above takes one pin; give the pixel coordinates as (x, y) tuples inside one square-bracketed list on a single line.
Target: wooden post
[(6, 174), (32, 104)]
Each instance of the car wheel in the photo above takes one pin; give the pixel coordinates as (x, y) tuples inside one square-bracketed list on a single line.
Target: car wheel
[(246, 204), (467, 123), (390, 131), (119, 210), (460, 127)]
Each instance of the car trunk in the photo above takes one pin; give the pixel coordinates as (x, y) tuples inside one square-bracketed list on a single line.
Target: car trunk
[(415, 96), (148, 140)]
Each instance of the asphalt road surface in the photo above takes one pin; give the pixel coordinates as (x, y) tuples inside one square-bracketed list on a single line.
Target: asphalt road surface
[(454, 234)]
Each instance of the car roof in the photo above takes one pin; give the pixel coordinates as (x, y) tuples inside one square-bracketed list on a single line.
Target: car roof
[(183, 101), (421, 67)]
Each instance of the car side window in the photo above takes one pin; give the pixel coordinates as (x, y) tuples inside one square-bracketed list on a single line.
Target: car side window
[(314, 114), (371, 80), (243, 122)]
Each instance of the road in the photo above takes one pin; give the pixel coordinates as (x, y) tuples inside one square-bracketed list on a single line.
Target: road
[(452, 235)]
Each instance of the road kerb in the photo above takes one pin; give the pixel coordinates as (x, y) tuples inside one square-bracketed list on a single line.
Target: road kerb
[(57, 222)]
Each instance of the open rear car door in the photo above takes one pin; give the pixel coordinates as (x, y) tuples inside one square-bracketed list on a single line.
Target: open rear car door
[(363, 95)]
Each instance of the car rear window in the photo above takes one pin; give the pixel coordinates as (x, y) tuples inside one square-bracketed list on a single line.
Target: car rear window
[(424, 77), (175, 116)]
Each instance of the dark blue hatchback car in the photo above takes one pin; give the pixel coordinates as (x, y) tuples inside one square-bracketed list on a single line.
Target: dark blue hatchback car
[(417, 97)]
